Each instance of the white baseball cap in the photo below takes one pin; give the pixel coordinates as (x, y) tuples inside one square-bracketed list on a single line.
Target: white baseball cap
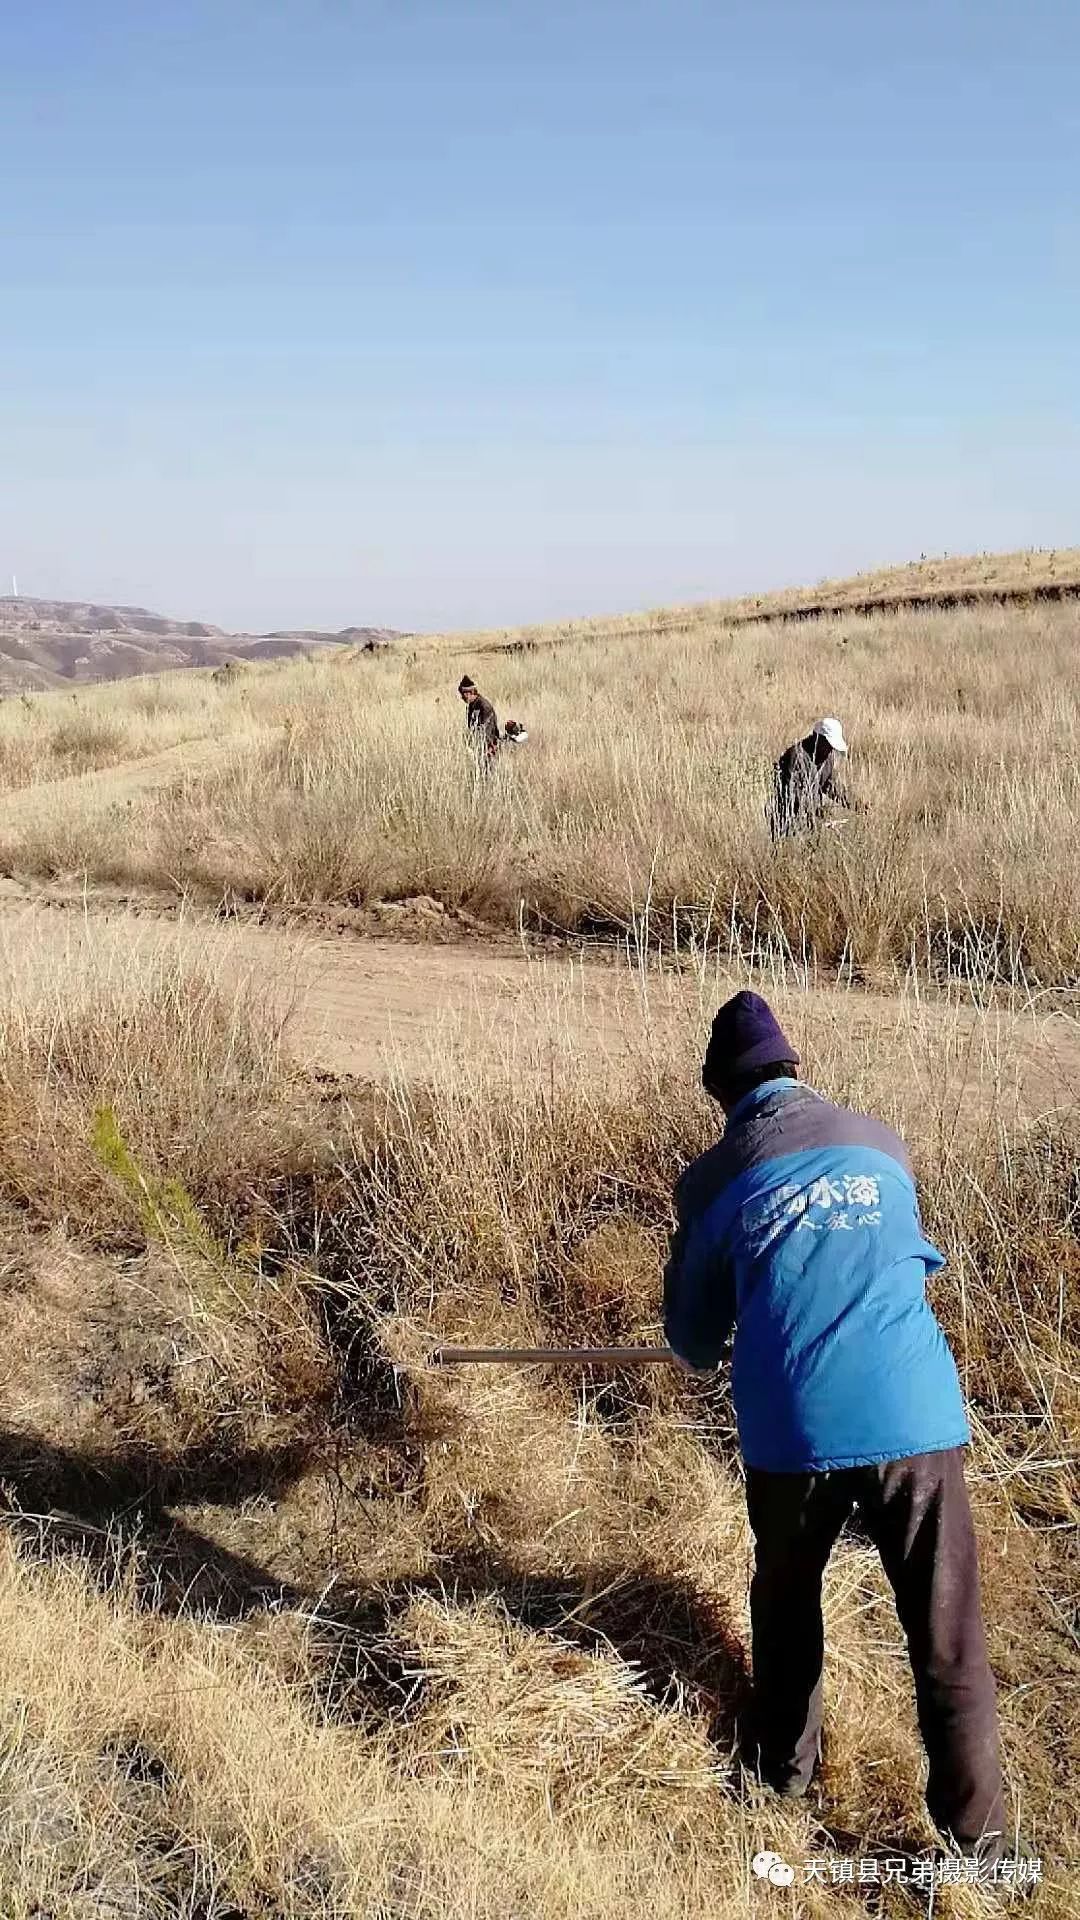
[(833, 732)]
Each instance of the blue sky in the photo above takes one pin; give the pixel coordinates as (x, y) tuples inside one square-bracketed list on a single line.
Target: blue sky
[(448, 312)]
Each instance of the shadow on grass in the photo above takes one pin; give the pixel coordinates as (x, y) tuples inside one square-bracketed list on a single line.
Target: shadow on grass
[(113, 1515)]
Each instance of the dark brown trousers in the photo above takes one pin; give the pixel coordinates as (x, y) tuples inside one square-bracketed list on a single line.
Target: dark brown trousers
[(918, 1515)]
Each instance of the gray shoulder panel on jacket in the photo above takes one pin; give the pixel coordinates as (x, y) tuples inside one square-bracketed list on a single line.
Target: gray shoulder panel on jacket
[(802, 1122)]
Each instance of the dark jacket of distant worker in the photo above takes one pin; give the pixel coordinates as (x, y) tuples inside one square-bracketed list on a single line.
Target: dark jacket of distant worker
[(800, 1230), (481, 720), (804, 780)]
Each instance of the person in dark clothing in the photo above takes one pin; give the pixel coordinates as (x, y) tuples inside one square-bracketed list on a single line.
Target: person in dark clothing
[(481, 720), (801, 1231), (804, 781)]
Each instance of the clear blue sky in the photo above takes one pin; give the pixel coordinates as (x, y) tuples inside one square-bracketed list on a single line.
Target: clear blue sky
[(434, 312)]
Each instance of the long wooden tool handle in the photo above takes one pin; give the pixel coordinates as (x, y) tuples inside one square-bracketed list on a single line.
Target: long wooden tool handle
[(553, 1356)]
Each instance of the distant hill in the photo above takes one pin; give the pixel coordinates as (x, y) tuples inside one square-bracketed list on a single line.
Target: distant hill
[(57, 643)]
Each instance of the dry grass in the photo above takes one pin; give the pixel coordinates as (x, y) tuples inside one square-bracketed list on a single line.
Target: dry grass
[(162, 1049), (1025, 572), (1022, 573), (295, 1627), (305, 1637), (966, 861), (46, 736)]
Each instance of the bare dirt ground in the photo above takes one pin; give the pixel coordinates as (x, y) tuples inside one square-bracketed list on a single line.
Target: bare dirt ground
[(372, 1007), (360, 1006)]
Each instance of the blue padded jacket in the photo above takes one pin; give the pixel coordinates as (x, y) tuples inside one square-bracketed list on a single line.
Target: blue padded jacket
[(801, 1230)]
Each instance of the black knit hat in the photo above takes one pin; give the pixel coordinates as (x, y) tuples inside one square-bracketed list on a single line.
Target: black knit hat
[(466, 685), (745, 1035)]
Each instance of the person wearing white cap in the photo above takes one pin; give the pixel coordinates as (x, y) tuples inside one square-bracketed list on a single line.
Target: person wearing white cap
[(804, 780)]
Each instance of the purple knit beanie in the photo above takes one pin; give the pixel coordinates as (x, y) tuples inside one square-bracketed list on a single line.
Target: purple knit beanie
[(746, 1034)]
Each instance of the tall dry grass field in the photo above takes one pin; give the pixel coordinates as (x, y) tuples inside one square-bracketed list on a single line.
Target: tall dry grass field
[(49, 736), (295, 1626), (642, 792)]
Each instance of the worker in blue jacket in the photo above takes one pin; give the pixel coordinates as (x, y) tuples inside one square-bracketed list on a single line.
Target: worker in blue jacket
[(800, 1231)]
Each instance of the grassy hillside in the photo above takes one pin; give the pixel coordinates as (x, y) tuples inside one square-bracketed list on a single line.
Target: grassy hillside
[(295, 1626), (984, 579), (638, 805), (54, 644)]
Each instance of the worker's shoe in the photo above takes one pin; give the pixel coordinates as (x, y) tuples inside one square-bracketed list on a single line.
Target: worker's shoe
[(785, 1778), (1007, 1864), (787, 1786)]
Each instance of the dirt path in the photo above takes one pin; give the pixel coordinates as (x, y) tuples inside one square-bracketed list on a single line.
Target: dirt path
[(371, 1007), (117, 785), (353, 1005)]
